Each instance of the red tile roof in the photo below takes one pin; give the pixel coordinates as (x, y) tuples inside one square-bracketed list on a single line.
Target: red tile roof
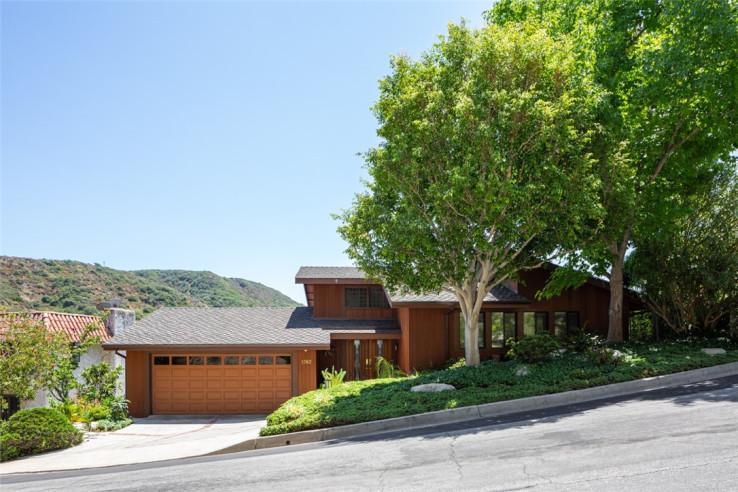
[(72, 324)]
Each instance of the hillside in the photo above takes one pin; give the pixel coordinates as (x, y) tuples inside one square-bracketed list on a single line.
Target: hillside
[(75, 287)]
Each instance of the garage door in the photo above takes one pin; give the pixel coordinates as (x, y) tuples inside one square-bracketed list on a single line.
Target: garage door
[(220, 383)]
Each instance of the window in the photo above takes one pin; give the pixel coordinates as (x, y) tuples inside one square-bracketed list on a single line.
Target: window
[(565, 321), (283, 360), (362, 297), (266, 360), (502, 327), (161, 361), (480, 328), (196, 361), (534, 323), (213, 360), (179, 360), (248, 360), (510, 321), (230, 360), (355, 297)]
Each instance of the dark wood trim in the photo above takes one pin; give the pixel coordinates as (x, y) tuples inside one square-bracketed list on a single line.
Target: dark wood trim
[(365, 336), (334, 281)]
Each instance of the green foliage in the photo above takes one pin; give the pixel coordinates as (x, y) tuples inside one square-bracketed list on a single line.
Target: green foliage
[(62, 380), (387, 370), (601, 355), (579, 339), (108, 425), (641, 327), (332, 378), (533, 348), (70, 286), (483, 168), (670, 111), (36, 430), (118, 407), (99, 382), (29, 354), (688, 275), (363, 401)]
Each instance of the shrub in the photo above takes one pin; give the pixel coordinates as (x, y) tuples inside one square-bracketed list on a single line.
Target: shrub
[(332, 378), (534, 348), (118, 406), (100, 382), (601, 355), (36, 430), (387, 370), (107, 425), (579, 339)]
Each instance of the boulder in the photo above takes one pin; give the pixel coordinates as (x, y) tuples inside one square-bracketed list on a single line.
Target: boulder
[(523, 371), (713, 351), (432, 388)]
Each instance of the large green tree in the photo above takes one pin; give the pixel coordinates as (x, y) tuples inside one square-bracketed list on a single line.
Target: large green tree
[(482, 170), (689, 274), (669, 70)]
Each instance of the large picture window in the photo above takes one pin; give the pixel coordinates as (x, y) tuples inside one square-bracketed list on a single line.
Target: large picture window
[(534, 323), (502, 327), (565, 321), (363, 297), (480, 327)]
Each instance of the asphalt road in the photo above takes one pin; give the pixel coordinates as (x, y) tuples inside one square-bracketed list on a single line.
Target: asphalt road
[(683, 438)]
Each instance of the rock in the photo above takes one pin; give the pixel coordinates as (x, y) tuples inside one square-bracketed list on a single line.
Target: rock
[(713, 351), (93, 426), (523, 371), (616, 354), (432, 388)]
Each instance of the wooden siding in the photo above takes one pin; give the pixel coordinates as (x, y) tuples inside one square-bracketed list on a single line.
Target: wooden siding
[(307, 377), (328, 302), (138, 383), (427, 337)]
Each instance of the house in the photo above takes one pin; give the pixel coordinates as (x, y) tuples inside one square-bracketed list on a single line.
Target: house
[(74, 326), (250, 360)]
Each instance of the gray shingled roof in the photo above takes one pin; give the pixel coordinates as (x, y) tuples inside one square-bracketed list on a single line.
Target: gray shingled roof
[(313, 272), (499, 294), (241, 326)]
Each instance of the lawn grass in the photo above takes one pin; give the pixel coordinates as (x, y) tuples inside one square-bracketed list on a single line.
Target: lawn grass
[(364, 401)]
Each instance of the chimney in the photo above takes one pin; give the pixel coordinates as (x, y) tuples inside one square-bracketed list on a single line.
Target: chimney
[(119, 320)]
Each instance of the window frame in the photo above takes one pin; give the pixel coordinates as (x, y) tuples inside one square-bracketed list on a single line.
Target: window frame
[(536, 316), (568, 325)]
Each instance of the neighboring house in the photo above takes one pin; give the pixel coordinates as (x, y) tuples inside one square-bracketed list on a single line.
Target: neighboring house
[(74, 326), (250, 360)]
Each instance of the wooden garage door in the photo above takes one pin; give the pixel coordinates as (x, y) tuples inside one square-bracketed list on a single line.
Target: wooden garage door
[(220, 383)]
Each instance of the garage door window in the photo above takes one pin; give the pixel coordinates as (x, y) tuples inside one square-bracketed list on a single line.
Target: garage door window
[(266, 360), (161, 361), (283, 359), (248, 360), (214, 361), (180, 360), (230, 360), (196, 361)]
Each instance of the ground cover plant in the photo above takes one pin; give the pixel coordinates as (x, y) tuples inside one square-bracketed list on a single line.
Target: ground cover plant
[(363, 401)]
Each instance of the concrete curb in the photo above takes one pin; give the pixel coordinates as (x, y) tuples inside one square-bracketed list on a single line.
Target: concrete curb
[(487, 410)]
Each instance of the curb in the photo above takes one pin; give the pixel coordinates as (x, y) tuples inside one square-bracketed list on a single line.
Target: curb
[(487, 410)]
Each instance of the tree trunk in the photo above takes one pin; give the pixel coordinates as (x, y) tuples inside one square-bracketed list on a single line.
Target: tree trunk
[(615, 324), (471, 339)]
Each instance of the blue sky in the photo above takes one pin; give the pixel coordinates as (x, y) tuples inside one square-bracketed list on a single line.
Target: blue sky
[(213, 136)]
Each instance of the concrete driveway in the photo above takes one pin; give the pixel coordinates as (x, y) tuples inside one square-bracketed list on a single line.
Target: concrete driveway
[(155, 438)]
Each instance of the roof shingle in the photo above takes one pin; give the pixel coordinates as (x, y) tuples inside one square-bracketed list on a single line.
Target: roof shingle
[(498, 294), (241, 326)]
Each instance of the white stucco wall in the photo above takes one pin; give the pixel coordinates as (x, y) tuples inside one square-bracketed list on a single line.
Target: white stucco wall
[(94, 355)]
